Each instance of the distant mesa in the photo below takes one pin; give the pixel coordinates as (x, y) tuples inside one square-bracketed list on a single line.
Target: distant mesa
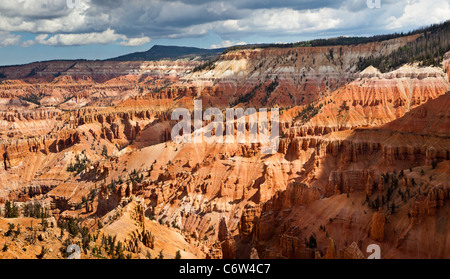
[(159, 52)]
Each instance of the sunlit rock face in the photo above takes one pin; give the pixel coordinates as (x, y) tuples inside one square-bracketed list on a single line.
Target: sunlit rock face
[(363, 157)]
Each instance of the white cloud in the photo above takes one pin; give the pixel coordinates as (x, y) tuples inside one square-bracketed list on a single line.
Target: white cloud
[(135, 41), (43, 16), (133, 23), (106, 37), (28, 43), (8, 39), (228, 43), (293, 21), (273, 22), (424, 12)]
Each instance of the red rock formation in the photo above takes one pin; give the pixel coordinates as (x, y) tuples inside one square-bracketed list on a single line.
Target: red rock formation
[(377, 227), (312, 199), (351, 252), (283, 76)]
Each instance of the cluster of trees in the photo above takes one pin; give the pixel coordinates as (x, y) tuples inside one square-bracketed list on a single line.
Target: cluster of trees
[(75, 228), (87, 200), (208, 65), (247, 97), (113, 248), (427, 50), (35, 210), (32, 98), (134, 176), (308, 112), (79, 165), (392, 190), (272, 86), (71, 225), (13, 232), (114, 183), (11, 210), (341, 41)]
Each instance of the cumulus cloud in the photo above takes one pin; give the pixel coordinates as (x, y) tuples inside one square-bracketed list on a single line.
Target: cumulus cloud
[(425, 12), (8, 39), (106, 37), (284, 20), (43, 16), (132, 23)]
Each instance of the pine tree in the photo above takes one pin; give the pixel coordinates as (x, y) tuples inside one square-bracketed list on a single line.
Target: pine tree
[(105, 151)]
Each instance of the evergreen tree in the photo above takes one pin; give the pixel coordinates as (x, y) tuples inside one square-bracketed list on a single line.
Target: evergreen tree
[(105, 151)]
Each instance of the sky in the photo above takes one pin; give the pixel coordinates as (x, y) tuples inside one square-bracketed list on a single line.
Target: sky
[(38, 30)]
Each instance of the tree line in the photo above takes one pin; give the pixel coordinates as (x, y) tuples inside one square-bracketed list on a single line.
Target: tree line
[(33, 210), (342, 41), (428, 50)]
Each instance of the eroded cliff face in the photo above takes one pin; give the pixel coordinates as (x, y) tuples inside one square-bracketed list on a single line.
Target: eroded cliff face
[(376, 185), (84, 72), (375, 99), (75, 84), (283, 77), (363, 158)]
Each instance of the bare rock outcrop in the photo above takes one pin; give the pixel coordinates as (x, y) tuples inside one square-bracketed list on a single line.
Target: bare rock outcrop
[(377, 226)]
